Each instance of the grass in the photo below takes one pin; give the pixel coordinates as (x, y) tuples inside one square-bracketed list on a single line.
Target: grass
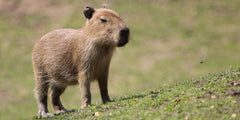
[(215, 96), (171, 41)]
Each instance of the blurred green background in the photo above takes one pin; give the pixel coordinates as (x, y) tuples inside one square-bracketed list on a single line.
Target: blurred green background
[(171, 41)]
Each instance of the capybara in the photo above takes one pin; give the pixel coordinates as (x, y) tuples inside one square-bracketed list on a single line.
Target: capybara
[(66, 57)]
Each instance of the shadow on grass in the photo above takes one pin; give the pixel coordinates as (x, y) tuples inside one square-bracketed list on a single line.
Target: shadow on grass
[(142, 95)]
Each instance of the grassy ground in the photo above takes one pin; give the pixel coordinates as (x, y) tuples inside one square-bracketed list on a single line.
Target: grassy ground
[(171, 41), (214, 97)]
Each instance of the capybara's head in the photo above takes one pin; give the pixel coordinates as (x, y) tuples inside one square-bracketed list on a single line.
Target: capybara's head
[(106, 26)]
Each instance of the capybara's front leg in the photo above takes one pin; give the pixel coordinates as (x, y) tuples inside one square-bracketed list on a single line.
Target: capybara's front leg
[(85, 89), (103, 85)]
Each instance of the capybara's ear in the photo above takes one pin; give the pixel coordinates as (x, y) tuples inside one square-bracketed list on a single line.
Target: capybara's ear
[(88, 12), (105, 6)]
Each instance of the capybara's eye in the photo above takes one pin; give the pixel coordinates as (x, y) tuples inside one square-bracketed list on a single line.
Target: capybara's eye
[(103, 20)]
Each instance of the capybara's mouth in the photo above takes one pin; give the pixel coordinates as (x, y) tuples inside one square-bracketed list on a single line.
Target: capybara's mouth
[(124, 37), (121, 44)]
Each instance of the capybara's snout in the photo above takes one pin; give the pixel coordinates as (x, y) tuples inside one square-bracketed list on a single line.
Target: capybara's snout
[(124, 37)]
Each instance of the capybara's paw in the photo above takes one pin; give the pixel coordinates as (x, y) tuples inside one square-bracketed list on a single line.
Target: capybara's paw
[(43, 114), (61, 111), (64, 111), (85, 105), (106, 100)]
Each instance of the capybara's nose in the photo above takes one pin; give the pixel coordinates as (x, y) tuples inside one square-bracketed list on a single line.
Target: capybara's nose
[(124, 35), (124, 32)]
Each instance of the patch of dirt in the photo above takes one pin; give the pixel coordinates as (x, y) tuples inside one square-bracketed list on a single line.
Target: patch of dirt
[(20, 8), (198, 83), (233, 93), (177, 101), (234, 83), (35, 15)]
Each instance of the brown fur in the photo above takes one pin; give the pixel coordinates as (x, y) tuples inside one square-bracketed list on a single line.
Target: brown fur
[(69, 57)]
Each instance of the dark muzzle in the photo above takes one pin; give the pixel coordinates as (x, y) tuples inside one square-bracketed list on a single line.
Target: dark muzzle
[(124, 36)]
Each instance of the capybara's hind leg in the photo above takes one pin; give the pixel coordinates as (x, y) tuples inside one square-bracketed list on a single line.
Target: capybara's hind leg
[(55, 98), (41, 92)]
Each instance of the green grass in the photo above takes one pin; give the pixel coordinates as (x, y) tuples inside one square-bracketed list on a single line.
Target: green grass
[(215, 96), (169, 39)]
